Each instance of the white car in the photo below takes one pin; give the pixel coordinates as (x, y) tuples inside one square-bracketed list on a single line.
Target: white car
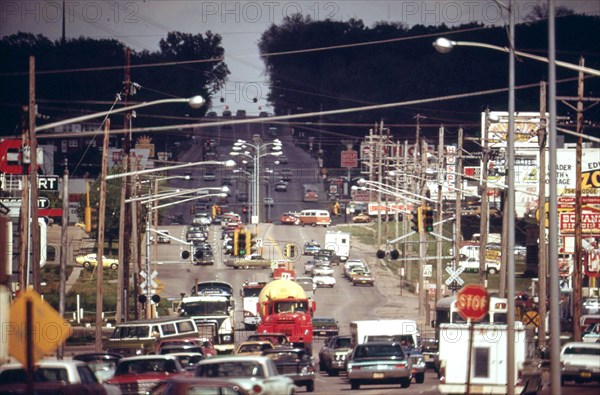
[(324, 280), (202, 219), (580, 362), (322, 270), (353, 263), (255, 373)]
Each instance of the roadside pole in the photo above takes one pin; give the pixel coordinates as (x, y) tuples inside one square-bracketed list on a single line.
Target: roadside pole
[(484, 208), (440, 226)]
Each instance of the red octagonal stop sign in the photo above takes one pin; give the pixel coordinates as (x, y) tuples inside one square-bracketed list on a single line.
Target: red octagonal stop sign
[(472, 302)]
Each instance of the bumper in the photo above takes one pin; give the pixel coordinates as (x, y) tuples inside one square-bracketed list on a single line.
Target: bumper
[(477, 389), (224, 348), (579, 373), (374, 376)]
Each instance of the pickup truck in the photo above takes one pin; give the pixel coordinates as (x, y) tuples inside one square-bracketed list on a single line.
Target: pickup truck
[(249, 261)]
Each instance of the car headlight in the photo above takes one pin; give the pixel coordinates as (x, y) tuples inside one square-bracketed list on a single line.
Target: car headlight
[(227, 338)]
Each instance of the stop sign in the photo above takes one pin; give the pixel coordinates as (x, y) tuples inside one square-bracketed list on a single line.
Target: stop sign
[(472, 302)]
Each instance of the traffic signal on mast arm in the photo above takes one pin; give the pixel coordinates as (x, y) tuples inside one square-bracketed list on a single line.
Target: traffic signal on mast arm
[(428, 219), (248, 243), (416, 219), (236, 239)]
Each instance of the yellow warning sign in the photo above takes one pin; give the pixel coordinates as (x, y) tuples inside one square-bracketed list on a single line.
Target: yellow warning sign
[(531, 319), (34, 321)]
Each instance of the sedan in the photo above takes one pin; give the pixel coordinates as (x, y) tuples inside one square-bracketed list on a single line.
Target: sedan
[(361, 219), (362, 278), (580, 362), (289, 219), (88, 261), (322, 270), (182, 385), (324, 280), (379, 363), (281, 186)]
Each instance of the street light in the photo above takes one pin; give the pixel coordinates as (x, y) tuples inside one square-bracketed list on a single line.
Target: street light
[(443, 45)]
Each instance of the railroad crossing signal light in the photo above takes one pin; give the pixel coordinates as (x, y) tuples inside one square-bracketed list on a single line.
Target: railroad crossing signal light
[(416, 219), (428, 219), (248, 246)]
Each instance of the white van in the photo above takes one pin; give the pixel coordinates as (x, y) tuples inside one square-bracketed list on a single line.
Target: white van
[(315, 217)]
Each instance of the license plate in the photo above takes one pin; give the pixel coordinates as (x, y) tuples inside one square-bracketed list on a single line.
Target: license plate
[(585, 375), (427, 357), (322, 333), (377, 375)]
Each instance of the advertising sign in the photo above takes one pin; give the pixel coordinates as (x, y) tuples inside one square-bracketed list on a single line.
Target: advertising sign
[(526, 129)]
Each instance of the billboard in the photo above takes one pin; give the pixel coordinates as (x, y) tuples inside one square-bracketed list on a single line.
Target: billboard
[(526, 129)]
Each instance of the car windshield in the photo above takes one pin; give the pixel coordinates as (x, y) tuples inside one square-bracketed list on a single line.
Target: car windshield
[(582, 351), (290, 307), (146, 366), (343, 342), (239, 369), (379, 350)]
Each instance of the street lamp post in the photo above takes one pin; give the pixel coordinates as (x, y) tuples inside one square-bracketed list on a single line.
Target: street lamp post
[(255, 156), (194, 102)]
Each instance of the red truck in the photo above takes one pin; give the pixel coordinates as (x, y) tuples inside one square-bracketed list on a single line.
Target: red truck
[(284, 308)]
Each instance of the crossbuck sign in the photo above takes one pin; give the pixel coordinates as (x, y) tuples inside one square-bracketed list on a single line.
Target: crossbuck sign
[(455, 275)]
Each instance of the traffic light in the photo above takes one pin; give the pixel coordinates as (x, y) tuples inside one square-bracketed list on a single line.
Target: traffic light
[(236, 239), (428, 220), (216, 210), (290, 250), (416, 219), (248, 246), (336, 208), (245, 209), (198, 254)]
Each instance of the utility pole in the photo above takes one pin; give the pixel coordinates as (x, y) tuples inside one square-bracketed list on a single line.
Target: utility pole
[(64, 251), (458, 221), (100, 253), (484, 209), (379, 151), (24, 223), (33, 180), (542, 256), (440, 217), (126, 213), (578, 253), (422, 234)]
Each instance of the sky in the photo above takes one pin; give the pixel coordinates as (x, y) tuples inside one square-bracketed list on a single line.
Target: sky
[(140, 24)]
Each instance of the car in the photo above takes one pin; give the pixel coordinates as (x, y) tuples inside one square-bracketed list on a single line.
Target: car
[(311, 248), (263, 114), (296, 364), (102, 364), (322, 269), (361, 219), (580, 362), (143, 372), (90, 261), (352, 263), (325, 326), (591, 305), (309, 266), (52, 375), (178, 348), (188, 359), (288, 219), (276, 339), (362, 277), (209, 176), (242, 197), (282, 159), (592, 334), (430, 350), (227, 180), (378, 363), (332, 356), (240, 114), (256, 373), (268, 201), (208, 349), (286, 174), (184, 385), (281, 186), (202, 219), (324, 280), (249, 261), (226, 113), (307, 283), (162, 238), (255, 347), (211, 114)]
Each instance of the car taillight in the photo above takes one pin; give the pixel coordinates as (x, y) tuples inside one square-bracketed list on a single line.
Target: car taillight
[(401, 365), (256, 389)]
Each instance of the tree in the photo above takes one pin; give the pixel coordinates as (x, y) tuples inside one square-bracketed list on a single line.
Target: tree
[(539, 12)]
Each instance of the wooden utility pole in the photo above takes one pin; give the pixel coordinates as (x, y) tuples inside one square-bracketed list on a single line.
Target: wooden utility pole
[(33, 180), (459, 172), (440, 216), (484, 207), (100, 253), (542, 256), (577, 257), (64, 252), (422, 233), (24, 223), (379, 151)]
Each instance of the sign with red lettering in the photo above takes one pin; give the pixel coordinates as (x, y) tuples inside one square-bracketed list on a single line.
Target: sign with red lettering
[(592, 262), (472, 302), (590, 222), (349, 159)]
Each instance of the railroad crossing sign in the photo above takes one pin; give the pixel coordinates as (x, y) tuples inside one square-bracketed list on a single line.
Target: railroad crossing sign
[(455, 275), (144, 283), (531, 319)]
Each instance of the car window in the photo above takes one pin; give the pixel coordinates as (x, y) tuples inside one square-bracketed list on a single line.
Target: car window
[(342, 342), (50, 375), (86, 375), (379, 350), (240, 369), (582, 351)]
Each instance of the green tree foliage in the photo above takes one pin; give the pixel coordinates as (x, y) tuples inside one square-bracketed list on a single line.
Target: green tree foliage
[(84, 75), (403, 65)]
